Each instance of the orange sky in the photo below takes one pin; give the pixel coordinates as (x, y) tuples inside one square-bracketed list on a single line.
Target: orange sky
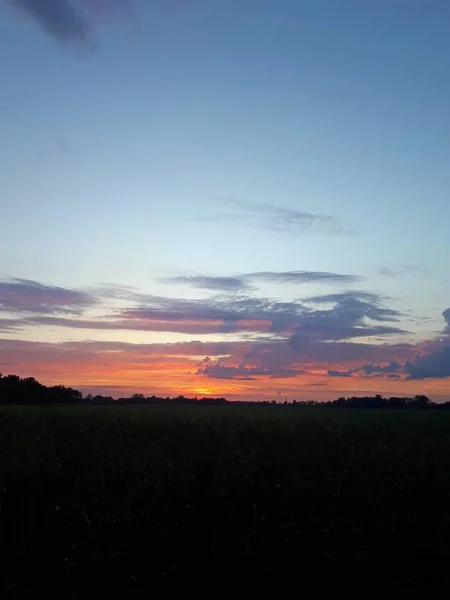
[(179, 369)]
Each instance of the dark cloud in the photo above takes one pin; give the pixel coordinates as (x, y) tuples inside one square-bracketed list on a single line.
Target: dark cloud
[(346, 318), (27, 296), (332, 373), (62, 19), (70, 20), (358, 304), (282, 220), (436, 364), (436, 361), (229, 313), (349, 316), (392, 367), (219, 370)]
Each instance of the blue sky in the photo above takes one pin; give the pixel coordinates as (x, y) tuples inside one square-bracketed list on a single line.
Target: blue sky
[(143, 140)]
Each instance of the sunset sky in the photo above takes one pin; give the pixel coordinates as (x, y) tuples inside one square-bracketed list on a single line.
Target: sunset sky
[(239, 198)]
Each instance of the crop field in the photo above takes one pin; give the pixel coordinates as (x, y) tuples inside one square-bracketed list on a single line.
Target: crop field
[(120, 501)]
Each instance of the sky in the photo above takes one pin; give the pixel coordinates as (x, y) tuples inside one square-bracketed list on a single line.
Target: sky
[(239, 198)]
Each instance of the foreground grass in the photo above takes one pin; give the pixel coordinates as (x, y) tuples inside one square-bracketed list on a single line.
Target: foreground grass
[(124, 500)]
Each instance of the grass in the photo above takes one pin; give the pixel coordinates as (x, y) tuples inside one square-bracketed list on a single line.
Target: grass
[(119, 501)]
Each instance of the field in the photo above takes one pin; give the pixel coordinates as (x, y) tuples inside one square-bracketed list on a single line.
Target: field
[(120, 501)]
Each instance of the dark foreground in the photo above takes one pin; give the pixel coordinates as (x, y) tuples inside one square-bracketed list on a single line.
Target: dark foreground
[(127, 502)]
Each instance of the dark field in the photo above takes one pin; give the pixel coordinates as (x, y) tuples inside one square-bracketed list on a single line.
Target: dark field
[(122, 501)]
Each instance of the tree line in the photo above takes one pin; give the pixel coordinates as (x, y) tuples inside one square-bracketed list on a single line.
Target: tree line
[(27, 390)]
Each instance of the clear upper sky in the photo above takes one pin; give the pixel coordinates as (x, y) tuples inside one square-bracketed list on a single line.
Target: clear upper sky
[(266, 178)]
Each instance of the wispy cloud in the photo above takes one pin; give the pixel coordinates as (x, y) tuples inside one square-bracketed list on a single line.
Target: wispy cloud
[(8, 325), (210, 282), (247, 281), (300, 277), (398, 272), (27, 296), (282, 220)]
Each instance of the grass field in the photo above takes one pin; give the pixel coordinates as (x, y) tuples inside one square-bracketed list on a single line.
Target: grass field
[(119, 501)]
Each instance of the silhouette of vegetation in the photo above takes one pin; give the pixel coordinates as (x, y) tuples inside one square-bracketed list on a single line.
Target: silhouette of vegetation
[(17, 390)]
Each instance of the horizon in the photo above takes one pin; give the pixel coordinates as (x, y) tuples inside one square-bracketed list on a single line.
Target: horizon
[(239, 201)]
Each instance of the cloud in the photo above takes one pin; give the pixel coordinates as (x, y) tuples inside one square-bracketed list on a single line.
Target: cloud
[(219, 370), (70, 20), (245, 281), (349, 316), (332, 373), (345, 319), (300, 277), (228, 313), (446, 315), (277, 339), (436, 364), (62, 19), (349, 352), (275, 218), (392, 367), (27, 296), (210, 282), (167, 323), (435, 358), (406, 270), (7, 325)]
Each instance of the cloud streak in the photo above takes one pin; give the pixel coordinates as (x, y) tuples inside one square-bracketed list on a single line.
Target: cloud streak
[(286, 221), (406, 270), (210, 282), (28, 296), (301, 277), (247, 281)]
